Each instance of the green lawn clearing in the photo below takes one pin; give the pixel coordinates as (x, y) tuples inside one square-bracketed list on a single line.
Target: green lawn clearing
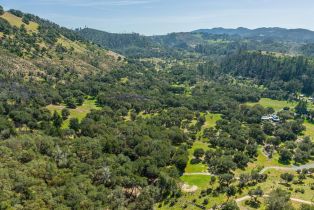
[(80, 112), (275, 104), (200, 167), (211, 120), (201, 181)]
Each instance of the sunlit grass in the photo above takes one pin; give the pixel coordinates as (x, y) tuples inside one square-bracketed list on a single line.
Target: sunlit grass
[(211, 120), (69, 44), (200, 167), (80, 112), (309, 129), (278, 105), (201, 181), (17, 21), (275, 104)]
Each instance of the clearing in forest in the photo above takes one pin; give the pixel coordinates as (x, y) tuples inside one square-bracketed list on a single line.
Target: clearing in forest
[(80, 112), (275, 104)]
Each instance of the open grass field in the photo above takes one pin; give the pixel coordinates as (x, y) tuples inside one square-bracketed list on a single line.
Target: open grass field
[(201, 181), (80, 112), (16, 21), (278, 105), (275, 104)]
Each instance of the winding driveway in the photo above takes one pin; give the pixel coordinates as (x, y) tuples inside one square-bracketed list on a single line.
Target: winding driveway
[(247, 197), (294, 168)]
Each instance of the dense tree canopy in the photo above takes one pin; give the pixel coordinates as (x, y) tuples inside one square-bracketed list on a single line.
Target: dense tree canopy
[(119, 133)]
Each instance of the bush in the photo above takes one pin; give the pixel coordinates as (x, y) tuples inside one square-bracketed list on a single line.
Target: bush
[(70, 102), (209, 191), (65, 113), (195, 161), (17, 13), (299, 190), (74, 124), (25, 20)]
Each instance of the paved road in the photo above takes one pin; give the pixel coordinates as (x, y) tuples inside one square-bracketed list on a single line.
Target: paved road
[(295, 168), (293, 199)]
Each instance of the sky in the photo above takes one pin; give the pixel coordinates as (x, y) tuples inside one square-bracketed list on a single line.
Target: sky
[(156, 17)]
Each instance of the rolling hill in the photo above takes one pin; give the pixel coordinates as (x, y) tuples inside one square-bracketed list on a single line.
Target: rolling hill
[(42, 44), (293, 35)]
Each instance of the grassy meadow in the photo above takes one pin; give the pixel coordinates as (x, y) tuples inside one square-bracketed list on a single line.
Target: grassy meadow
[(275, 104), (80, 112)]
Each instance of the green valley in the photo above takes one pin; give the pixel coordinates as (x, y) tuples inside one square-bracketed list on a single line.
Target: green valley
[(218, 118)]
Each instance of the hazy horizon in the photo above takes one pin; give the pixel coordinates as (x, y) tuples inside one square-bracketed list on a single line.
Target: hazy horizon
[(157, 17)]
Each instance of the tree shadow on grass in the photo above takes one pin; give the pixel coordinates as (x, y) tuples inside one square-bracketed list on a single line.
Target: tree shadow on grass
[(195, 161), (284, 162)]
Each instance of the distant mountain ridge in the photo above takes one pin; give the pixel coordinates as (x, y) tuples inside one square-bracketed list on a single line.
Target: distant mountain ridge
[(298, 35), (217, 41)]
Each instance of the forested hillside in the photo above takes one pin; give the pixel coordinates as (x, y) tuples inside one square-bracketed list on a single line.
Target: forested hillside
[(292, 74), (206, 42), (93, 120), (296, 35)]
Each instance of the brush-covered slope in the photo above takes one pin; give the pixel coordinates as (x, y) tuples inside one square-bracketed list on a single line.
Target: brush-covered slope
[(25, 38)]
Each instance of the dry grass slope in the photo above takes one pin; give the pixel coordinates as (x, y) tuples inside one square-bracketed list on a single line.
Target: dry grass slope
[(16, 21)]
